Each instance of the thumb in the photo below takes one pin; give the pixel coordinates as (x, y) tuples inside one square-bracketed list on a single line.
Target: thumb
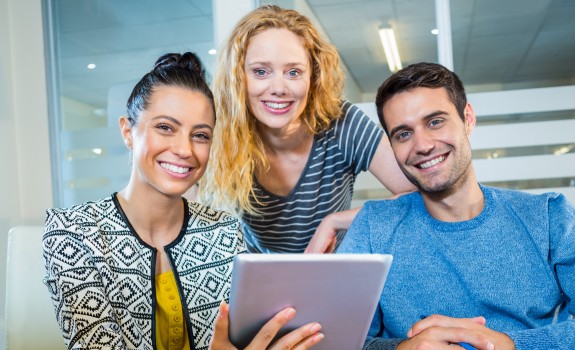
[(220, 338)]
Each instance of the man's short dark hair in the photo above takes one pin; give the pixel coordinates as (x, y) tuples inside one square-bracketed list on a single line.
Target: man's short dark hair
[(428, 75)]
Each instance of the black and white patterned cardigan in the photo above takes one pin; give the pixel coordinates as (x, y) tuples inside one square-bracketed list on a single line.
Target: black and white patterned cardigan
[(100, 274)]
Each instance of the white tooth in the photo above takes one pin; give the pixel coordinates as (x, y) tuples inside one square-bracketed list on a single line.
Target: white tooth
[(277, 105), (432, 162), (174, 169)]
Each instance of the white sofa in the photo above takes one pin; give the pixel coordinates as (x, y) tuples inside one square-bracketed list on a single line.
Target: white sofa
[(30, 321)]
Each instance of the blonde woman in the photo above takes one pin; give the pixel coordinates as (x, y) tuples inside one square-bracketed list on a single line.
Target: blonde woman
[(288, 147)]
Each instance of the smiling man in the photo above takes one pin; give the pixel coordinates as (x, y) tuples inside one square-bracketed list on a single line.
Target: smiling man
[(473, 265)]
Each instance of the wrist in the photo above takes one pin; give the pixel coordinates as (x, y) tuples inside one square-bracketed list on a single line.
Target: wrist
[(341, 220)]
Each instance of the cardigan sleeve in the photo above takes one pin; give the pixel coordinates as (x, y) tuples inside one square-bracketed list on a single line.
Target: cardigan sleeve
[(83, 311)]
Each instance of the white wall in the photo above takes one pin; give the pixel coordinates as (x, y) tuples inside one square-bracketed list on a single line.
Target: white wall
[(25, 179), (9, 201)]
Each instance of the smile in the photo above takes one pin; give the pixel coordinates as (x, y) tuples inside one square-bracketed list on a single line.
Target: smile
[(431, 163), (277, 105), (174, 169)]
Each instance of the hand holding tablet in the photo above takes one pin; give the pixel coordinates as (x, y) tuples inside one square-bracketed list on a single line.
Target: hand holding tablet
[(302, 338)]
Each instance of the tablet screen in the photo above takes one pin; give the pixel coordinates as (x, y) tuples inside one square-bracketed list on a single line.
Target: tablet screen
[(340, 291)]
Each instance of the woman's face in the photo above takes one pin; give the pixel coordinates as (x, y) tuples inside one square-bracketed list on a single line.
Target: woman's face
[(171, 140), (278, 71)]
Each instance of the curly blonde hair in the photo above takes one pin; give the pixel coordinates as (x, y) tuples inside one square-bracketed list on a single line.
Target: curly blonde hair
[(238, 148)]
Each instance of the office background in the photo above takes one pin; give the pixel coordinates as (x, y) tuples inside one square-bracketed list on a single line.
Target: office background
[(57, 117)]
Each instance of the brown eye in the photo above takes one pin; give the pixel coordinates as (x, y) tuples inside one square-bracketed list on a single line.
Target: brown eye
[(164, 127), (202, 136)]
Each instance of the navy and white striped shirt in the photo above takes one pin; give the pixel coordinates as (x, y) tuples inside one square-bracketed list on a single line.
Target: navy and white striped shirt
[(338, 154)]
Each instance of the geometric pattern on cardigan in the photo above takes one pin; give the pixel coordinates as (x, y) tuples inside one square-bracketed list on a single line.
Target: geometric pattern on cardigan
[(101, 275)]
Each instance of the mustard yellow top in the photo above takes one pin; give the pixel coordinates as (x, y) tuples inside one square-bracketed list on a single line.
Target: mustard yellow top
[(171, 331)]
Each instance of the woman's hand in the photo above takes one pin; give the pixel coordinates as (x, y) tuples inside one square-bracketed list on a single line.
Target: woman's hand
[(325, 236), (300, 339)]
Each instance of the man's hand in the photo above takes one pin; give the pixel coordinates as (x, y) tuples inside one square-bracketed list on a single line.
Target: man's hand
[(302, 338), (444, 333)]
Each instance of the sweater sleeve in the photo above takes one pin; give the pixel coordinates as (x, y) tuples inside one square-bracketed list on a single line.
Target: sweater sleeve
[(358, 241), (374, 341), (83, 310), (561, 334), (355, 240), (381, 344)]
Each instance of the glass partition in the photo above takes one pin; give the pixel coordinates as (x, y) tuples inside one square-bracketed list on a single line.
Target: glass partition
[(99, 49)]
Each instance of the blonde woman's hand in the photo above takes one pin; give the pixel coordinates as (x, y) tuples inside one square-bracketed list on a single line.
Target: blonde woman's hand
[(325, 237), (300, 339)]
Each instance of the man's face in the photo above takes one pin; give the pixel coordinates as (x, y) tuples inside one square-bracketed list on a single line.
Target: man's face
[(429, 140)]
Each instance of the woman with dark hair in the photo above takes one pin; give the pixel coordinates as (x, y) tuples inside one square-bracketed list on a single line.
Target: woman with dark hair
[(144, 268)]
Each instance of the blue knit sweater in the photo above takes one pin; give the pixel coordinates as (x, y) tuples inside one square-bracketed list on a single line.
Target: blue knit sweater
[(514, 264)]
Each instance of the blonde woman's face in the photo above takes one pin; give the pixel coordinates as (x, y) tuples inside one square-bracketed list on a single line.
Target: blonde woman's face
[(278, 72)]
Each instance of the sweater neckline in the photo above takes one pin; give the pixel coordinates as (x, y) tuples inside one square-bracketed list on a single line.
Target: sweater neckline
[(459, 225)]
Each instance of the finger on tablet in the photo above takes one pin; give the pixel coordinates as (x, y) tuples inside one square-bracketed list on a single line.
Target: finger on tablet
[(267, 333), (302, 338)]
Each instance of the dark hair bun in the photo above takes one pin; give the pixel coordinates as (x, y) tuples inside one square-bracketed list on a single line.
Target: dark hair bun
[(172, 69), (187, 60)]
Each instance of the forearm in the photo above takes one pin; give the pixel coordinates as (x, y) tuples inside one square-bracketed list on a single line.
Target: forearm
[(324, 239), (384, 167), (342, 220)]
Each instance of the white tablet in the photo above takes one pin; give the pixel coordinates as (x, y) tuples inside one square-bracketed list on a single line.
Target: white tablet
[(340, 291)]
